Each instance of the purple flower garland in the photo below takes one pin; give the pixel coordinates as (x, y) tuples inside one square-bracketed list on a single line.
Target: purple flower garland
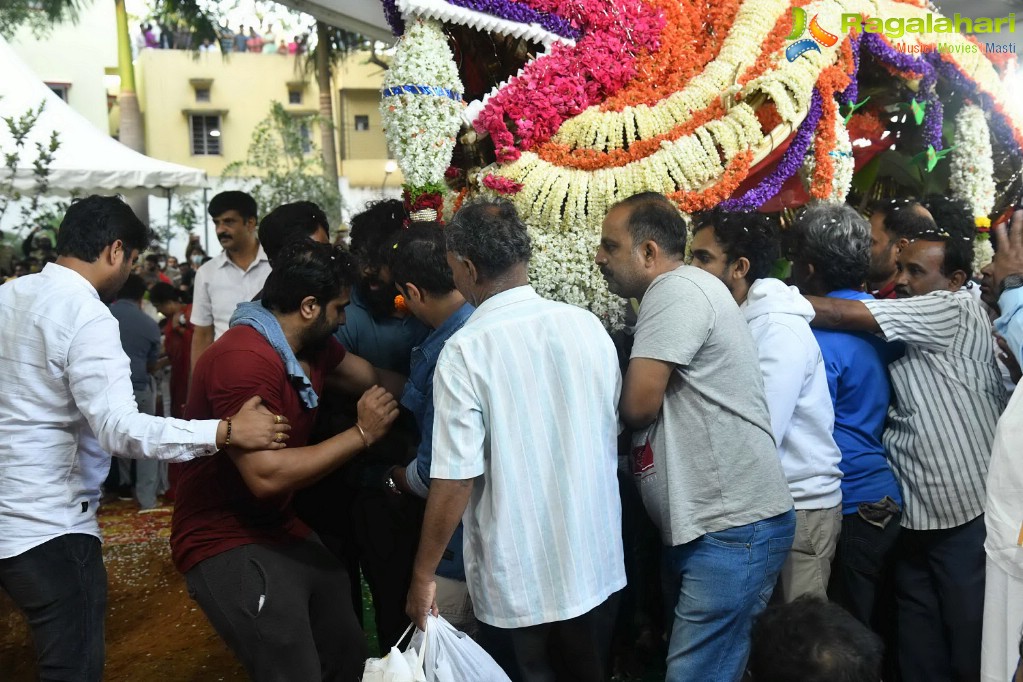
[(852, 91), (934, 115), (790, 162), (519, 13), (1001, 127), (393, 17)]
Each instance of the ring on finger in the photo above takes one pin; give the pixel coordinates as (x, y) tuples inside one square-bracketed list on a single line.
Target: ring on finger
[(278, 419), (279, 437)]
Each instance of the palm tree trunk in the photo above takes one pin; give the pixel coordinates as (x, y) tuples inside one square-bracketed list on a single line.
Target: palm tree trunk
[(323, 82), (130, 133)]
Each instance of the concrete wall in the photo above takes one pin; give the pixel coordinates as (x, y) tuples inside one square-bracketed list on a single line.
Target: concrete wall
[(77, 54)]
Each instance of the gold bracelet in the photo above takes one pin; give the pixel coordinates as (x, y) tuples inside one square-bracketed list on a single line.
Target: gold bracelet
[(365, 438), (227, 439)]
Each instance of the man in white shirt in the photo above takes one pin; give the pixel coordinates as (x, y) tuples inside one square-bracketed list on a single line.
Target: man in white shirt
[(525, 444), (67, 402), (1003, 510), (233, 277), (740, 249)]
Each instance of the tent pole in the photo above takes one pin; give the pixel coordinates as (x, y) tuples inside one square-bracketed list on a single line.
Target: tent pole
[(169, 231), (205, 222)]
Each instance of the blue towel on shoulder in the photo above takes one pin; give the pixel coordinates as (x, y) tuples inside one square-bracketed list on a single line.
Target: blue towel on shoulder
[(254, 315)]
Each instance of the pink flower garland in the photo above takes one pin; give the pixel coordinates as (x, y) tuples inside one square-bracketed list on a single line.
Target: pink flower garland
[(560, 85)]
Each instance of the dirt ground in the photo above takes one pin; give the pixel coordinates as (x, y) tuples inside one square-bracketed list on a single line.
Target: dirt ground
[(154, 631)]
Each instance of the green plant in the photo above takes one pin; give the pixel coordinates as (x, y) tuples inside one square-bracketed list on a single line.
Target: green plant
[(36, 208), (283, 165)]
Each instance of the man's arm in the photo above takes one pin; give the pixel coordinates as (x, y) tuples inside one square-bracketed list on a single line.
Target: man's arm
[(444, 508), (268, 473), (202, 338), (99, 377), (1009, 261), (354, 375), (839, 313), (646, 380)]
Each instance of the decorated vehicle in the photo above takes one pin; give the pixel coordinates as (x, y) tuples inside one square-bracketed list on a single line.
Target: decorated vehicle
[(568, 106)]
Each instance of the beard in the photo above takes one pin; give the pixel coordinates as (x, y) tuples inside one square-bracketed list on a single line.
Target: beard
[(316, 338), (381, 301)]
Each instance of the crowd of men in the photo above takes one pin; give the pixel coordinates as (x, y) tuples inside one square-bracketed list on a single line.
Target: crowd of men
[(836, 448)]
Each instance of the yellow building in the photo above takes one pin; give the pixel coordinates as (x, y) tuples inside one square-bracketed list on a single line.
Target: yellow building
[(200, 109)]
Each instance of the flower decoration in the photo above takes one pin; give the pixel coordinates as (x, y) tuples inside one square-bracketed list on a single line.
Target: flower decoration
[(684, 99), (422, 107), (972, 176), (835, 184), (399, 304)]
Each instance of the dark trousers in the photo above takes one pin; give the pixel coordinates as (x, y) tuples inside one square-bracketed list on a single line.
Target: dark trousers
[(939, 580), (863, 557), (574, 650), (61, 585), (284, 610)]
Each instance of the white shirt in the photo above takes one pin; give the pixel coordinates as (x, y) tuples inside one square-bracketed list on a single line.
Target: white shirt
[(525, 399), (66, 378), (220, 286)]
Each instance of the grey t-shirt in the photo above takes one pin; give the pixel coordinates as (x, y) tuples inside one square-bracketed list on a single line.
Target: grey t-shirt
[(709, 461)]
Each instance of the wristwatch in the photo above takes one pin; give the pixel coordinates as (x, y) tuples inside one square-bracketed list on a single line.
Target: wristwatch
[(1013, 281)]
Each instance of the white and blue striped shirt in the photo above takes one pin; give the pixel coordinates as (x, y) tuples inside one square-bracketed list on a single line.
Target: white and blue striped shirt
[(525, 399), (947, 398)]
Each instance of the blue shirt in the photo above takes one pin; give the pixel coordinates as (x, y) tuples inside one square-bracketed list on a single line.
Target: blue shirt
[(384, 342), (140, 339), (418, 398), (856, 365), (1010, 324)]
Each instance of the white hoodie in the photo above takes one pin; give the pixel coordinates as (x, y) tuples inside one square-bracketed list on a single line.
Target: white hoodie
[(802, 414)]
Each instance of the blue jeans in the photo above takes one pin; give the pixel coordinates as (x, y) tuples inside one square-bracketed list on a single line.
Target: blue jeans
[(61, 585), (723, 580)]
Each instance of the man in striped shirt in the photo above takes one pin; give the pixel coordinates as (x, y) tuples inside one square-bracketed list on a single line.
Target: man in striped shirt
[(525, 444), (948, 396)]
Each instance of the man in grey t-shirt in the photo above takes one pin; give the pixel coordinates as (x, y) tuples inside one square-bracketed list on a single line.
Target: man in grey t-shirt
[(706, 463)]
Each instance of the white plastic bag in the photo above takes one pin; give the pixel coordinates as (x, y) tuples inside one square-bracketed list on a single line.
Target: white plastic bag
[(453, 656), (396, 666)]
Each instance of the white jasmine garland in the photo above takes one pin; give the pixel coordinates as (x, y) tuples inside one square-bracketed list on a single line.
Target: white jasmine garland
[(841, 156), (421, 128), (971, 165)]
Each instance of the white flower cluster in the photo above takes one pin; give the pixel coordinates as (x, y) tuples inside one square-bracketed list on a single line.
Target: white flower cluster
[(972, 174), (421, 128), (983, 253), (971, 165), (842, 157), (563, 269)]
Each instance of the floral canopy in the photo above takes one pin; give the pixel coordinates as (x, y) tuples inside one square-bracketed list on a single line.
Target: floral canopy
[(568, 106)]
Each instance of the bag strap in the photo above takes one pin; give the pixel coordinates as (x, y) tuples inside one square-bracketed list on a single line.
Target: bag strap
[(422, 649), (404, 635)]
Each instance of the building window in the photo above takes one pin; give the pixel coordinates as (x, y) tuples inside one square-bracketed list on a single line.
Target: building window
[(59, 89), (361, 122), (205, 132), (306, 135), (294, 96), (202, 94)]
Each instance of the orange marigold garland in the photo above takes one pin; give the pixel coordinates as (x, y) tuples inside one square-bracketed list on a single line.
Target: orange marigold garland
[(735, 172)]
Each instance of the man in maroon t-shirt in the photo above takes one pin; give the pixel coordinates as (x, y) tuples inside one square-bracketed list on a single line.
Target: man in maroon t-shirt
[(279, 599)]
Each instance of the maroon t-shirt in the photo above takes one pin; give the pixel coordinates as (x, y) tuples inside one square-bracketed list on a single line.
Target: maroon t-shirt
[(214, 510)]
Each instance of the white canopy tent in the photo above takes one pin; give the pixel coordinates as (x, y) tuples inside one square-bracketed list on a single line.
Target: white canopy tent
[(88, 160)]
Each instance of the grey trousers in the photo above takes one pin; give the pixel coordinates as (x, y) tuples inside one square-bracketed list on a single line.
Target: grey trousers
[(150, 475)]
